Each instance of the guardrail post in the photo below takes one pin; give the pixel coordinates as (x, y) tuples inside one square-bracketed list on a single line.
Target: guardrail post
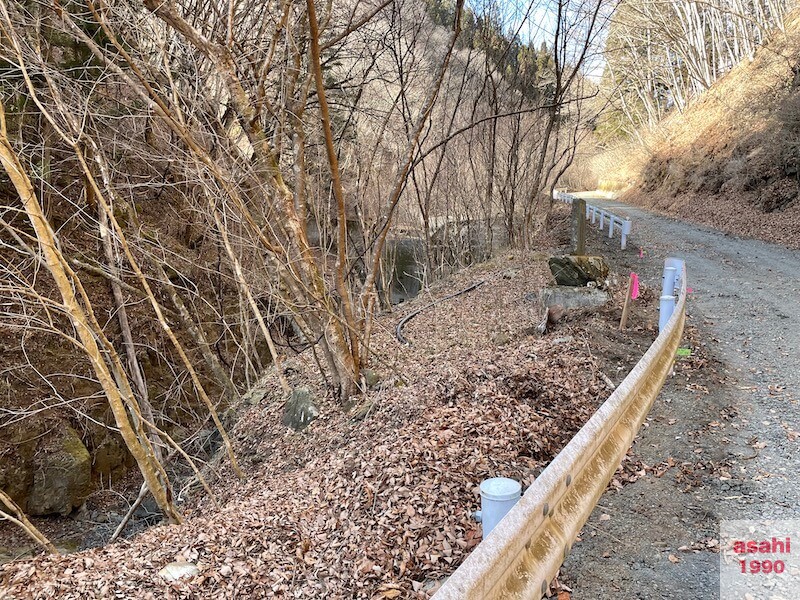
[(668, 281), (498, 496), (679, 267), (665, 310), (594, 215), (667, 301), (611, 220), (626, 230), (602, 220)]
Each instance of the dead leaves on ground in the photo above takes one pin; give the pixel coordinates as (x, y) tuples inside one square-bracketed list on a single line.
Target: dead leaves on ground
[(375, 508)]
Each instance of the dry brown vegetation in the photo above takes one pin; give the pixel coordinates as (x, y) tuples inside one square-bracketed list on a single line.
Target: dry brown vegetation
[(376, 502), (732, 159), (193, 191)]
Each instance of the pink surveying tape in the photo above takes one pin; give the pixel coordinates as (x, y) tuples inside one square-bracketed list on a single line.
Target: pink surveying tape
[(634, 286)]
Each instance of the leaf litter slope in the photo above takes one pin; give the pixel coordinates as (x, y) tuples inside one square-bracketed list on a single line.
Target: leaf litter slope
[(377, 506)]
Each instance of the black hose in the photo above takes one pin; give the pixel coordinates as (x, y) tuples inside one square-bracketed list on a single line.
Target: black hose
[(399, 329)]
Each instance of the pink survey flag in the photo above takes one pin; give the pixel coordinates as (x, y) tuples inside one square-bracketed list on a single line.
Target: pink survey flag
[(634, 286)]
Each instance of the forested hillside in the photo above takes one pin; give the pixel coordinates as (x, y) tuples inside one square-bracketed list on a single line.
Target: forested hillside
[(194, 193), (217, 217), (705, 122)]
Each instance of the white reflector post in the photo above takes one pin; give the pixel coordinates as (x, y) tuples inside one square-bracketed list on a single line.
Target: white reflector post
[(626, 231)]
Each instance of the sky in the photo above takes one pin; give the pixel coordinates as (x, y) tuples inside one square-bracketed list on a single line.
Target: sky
[(535, 21)]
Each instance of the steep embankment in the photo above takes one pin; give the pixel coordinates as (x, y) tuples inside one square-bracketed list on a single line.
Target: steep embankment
[(732, 160), (376, 502)]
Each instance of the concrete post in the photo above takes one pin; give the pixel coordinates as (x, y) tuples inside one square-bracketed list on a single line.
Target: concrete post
[(578, 223)]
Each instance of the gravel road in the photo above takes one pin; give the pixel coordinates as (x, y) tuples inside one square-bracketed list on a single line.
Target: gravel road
[(730, 426)]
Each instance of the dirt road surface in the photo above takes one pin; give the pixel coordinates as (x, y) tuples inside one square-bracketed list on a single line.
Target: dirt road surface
[(721, 441)]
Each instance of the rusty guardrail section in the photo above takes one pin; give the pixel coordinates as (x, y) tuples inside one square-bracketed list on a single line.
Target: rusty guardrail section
[(524, 552)]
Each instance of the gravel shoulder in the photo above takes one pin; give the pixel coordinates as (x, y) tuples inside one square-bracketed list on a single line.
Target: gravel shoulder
[(720, 442)]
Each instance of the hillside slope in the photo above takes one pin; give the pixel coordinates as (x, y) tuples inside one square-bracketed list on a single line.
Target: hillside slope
[(732, 160), (377, 502)]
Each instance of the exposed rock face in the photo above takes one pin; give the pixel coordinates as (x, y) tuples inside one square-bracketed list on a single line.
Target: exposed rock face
[(63, 475), (18, 444), (110, 458), (578, 270), (300, 409)]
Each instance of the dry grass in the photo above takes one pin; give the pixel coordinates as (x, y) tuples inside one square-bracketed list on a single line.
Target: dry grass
[(732, 160)]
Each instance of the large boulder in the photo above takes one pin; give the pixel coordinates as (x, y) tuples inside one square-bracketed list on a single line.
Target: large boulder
[(573, 297), (578, 270), (18, 446), (63, 475), (300, 409)]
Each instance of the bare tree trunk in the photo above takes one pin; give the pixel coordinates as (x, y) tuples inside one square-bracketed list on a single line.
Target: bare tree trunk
[(120, 399)]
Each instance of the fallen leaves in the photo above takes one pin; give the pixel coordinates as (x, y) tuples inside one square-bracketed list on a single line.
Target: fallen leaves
[(378, 507)]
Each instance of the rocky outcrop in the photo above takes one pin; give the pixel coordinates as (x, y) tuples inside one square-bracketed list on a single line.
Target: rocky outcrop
[(300, 409), (45, 467), (578, 270), (62, 478)]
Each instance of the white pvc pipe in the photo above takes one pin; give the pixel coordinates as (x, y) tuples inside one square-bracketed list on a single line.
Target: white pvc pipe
[(668, 281), (665, 310), (498, 496)]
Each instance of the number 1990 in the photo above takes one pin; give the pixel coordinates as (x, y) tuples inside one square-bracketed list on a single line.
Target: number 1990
[(762, 566)]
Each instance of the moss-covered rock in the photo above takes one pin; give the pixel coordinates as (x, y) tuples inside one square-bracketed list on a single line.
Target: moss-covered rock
[(63, 474), (17, 450), (578, 270)]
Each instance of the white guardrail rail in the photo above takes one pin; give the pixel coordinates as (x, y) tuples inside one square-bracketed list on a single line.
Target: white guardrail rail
[(523, 553), (593, 212)]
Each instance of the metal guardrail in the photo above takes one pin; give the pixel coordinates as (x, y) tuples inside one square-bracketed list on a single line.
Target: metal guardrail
[(523, 553), (593, 212)]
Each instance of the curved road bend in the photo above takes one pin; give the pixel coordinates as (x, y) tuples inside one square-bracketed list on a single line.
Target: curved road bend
[(733, 428)]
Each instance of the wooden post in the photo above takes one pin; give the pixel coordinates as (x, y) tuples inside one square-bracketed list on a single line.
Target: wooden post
[(578, 222), (626, 307)]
